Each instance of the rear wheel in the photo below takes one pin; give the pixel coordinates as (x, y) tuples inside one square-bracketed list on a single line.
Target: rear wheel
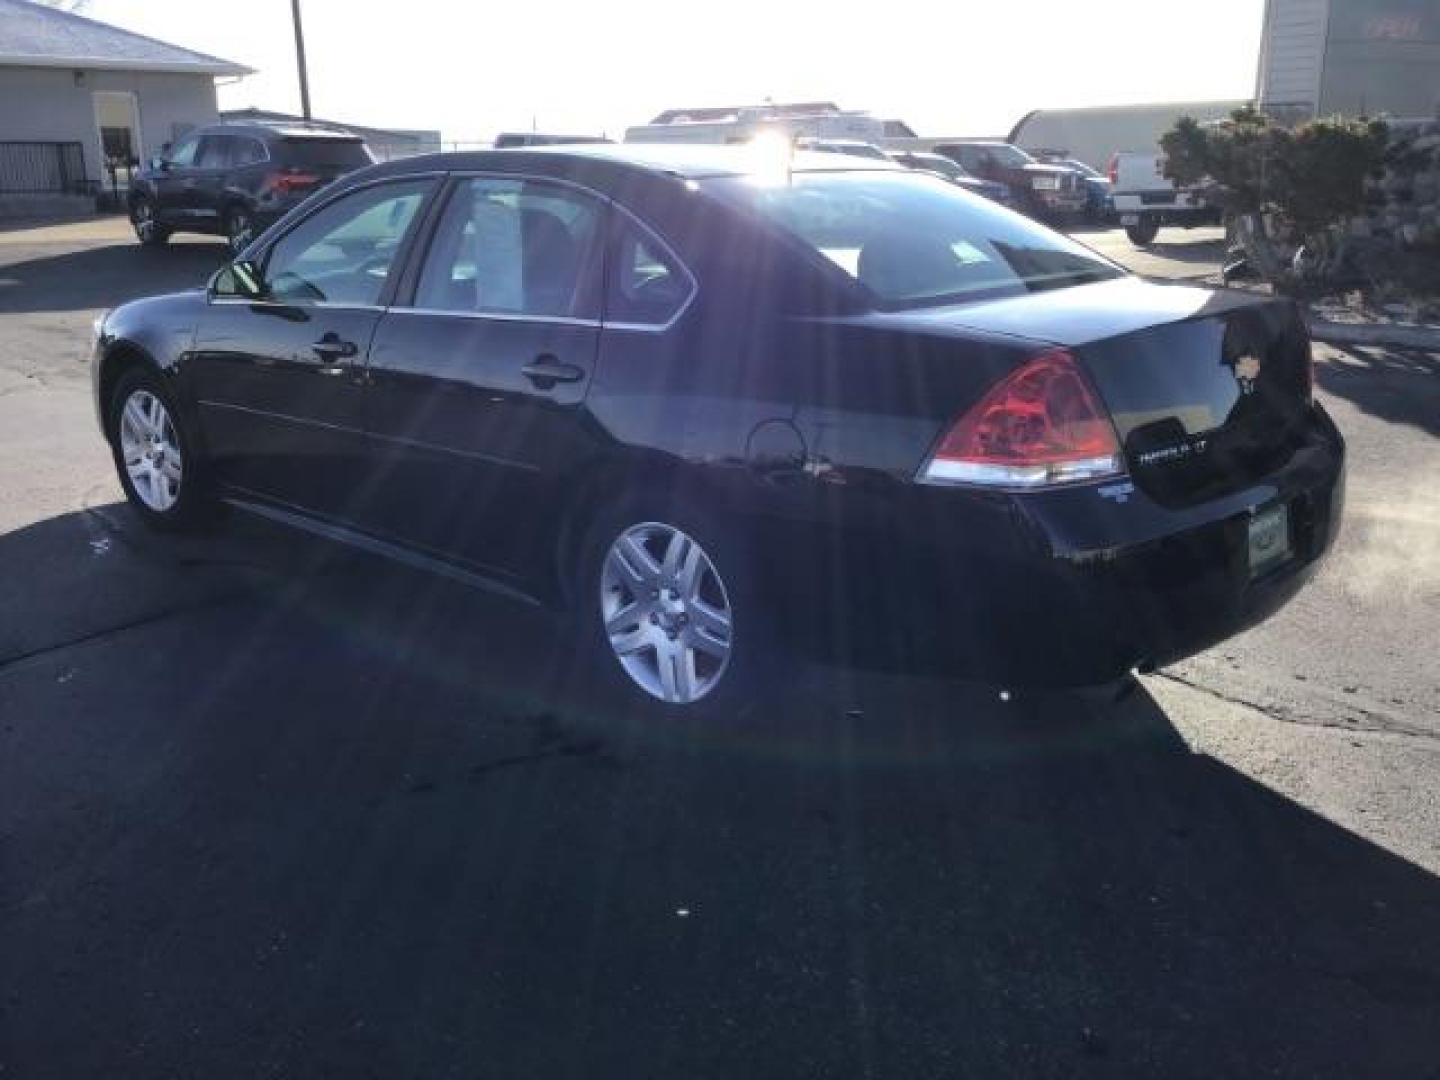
[(148, 229), (1143, 232), (239, 229), (669, 612), (161, 472)]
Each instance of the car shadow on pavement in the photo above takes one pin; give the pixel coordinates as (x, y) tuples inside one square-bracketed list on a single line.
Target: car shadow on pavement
[(103, 277), (280, 808), (1397, 385)]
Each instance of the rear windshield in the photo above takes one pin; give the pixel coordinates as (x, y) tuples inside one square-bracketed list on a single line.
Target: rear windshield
[(915, 240), (326, 153)]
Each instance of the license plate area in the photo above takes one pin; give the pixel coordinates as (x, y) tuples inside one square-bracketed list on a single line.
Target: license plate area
[(1269, 539), (1129, 219)]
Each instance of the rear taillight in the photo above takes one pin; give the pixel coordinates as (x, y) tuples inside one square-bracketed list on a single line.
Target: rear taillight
[(1114, 169), (1042, 424), (283, 183)]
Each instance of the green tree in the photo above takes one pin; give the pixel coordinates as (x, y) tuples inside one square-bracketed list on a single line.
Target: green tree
[(1309, 179)]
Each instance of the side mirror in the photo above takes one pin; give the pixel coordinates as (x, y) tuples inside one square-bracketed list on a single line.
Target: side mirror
[(158, 163), (240, 279)]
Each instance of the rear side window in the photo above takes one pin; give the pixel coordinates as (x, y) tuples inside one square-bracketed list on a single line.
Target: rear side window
[(644, 284), (330, 154), (513, 247), (246, 151), (214, 152)]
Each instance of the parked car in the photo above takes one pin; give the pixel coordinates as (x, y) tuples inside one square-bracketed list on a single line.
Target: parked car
[(1051, 192), (1099, 206), (853, 147), (235, 179), (948, 169), (728, 416), (1146, 199)]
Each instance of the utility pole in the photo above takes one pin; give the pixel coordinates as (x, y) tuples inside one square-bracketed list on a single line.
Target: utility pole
[(300, 59)]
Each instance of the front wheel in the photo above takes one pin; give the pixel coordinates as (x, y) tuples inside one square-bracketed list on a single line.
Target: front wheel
[(1143, 232), (239, 229), (146, 223), (670, 613), (159, 468)]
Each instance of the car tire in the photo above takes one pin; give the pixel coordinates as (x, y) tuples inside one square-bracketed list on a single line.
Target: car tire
[(699, 637), (239, 229), (160, 468), (146, 223), (1144, 233)]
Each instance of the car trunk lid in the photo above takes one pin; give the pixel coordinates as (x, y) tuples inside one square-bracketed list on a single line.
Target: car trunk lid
[(1209, 390)]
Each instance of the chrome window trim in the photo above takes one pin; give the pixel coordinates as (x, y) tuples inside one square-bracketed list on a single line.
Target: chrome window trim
[(497, 316), (260, 302)]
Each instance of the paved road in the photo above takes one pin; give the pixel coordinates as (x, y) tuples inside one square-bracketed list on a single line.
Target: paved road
[(268, 808), (1186, 254)]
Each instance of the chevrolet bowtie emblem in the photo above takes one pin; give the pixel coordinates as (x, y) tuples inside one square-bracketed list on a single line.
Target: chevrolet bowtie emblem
[(1247, 370)]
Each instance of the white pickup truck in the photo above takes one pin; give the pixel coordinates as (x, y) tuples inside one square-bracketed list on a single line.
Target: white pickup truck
[(1145, 199)]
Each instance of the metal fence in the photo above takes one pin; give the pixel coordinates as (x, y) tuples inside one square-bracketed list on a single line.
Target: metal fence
[(43, 168)]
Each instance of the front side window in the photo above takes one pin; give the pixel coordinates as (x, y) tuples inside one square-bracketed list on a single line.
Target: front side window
[(512, 247), (182, 154), (343, 254), (914, 240)]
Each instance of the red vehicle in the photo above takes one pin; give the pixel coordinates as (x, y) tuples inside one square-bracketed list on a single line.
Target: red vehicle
[(1043, 191)]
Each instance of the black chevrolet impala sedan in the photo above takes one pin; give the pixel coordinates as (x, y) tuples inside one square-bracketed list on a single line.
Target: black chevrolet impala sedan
[(729, 407)]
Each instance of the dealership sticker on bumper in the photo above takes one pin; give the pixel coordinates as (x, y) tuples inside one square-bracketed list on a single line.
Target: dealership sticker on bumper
[(1269, 539)]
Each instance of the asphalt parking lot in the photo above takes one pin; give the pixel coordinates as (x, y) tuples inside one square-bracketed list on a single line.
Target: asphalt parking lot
[(272, 809)]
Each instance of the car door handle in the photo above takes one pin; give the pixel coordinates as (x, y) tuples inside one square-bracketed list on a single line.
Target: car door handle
[(331, 347), (333, 350), (545, 371)]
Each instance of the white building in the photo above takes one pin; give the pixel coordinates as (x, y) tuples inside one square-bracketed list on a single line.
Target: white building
[(77, 92), (1093, 135), (1357, 57)]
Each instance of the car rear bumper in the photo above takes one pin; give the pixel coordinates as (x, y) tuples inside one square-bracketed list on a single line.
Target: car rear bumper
[(1060, 202), (1075, 586)]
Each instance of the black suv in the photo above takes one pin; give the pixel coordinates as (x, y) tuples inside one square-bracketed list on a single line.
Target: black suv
[(234, 180)]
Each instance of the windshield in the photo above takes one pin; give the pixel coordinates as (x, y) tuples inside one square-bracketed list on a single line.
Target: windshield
[(942, 165), (914, 240), (1011, 157)]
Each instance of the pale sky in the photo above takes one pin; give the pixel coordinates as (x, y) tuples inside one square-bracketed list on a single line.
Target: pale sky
[(948, 67)]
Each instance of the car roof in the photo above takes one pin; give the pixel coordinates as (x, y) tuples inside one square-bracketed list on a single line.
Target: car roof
[(685, 160), (284, 129)]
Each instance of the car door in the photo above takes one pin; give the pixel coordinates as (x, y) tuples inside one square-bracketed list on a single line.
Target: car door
[(279, 377), (478, 383), (206, 182), (171, 179)]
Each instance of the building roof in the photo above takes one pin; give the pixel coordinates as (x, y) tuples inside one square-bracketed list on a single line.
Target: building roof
[(32, 35)]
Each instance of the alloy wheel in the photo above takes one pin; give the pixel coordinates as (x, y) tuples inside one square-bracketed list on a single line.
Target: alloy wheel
[(151, 450), (241, 231), (666, 613), (143, 218)]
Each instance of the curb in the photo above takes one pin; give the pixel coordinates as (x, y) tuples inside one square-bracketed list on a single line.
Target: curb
[(1398, 335)]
